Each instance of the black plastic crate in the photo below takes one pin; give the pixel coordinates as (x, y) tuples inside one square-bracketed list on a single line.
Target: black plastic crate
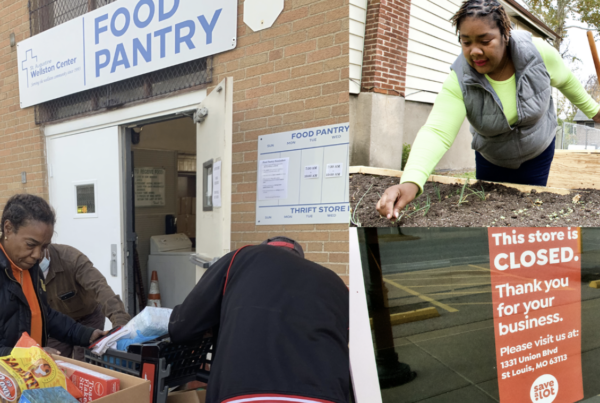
[(165, 364)]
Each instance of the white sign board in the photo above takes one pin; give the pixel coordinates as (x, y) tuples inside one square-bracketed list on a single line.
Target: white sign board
[(303, 176), (121, 40), (216, 184), (149, 187)]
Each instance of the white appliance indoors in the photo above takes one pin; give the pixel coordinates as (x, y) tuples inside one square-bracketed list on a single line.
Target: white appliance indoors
[(170, 257)]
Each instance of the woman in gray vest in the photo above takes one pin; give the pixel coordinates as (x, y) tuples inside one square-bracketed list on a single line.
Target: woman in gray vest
[(502, 83)]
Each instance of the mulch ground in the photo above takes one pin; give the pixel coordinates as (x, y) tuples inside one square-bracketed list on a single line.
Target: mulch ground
[(481, 205)]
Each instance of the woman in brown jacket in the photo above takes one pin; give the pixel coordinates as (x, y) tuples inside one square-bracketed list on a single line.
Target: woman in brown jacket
[(77, 289)]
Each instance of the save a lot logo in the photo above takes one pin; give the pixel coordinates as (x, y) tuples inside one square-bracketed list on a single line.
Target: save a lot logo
[(8, 389), (544, 389)]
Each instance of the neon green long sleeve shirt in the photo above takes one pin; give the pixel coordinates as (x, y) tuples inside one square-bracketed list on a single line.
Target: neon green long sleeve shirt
[(449, 112)]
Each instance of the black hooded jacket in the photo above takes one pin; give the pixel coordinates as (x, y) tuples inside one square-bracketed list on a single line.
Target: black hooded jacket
[(283, 326), (15, 314)]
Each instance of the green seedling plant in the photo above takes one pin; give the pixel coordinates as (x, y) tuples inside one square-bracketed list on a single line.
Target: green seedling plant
[(462, 192), (463, 198), (417, 207), (353, 218), (436, 189), (478, 193), (425, 208)]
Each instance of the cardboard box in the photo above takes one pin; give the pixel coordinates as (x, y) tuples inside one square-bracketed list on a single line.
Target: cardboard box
[(132, 389), (92, 384), (188, 396), (182, 227), (186, 205)]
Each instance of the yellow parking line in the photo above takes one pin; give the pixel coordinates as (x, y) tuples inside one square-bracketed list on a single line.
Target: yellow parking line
[(431, 278), (423, 297), (503, 274), (433, 271), (451, 285)]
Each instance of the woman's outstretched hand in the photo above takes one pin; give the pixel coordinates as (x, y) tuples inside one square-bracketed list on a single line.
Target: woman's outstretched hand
[(395, 198), (596, 118)]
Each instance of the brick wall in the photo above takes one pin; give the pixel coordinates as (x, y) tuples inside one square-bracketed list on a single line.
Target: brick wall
[(290, 76), (293, 75), (22, 145), (386, 41)]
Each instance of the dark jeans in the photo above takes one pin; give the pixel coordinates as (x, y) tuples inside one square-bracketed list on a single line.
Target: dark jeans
[(95, 320), (532, 172)]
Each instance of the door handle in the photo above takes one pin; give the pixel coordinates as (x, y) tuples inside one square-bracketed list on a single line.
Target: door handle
[(113, 260)]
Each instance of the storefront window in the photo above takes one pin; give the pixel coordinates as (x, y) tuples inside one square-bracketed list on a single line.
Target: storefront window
[(443, 322)]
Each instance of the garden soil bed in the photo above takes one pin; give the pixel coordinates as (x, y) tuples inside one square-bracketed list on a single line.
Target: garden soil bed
[(486, 204)]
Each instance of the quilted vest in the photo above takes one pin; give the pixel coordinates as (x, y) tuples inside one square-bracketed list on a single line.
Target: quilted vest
[(499, 142)]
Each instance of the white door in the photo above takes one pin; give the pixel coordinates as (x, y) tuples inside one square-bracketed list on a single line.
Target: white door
[(84, 178), (214, 149)]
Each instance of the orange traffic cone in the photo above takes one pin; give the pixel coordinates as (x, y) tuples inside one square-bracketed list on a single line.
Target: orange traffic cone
[(154, 293)]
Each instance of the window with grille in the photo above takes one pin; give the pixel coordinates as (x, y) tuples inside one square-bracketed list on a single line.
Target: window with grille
[(45, 14)]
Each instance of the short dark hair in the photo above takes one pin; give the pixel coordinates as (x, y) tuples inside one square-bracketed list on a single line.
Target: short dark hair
[(21, 208), (483, 8)]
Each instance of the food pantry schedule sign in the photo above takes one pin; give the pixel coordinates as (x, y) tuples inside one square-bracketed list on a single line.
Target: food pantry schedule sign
[(121, 40), (536, 294), (303, 176)]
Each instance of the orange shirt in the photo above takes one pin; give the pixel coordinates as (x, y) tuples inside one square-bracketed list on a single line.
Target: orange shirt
[(24, 278)]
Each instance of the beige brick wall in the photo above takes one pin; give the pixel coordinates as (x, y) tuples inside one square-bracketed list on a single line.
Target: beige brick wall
[(293, 75), (21, 143)]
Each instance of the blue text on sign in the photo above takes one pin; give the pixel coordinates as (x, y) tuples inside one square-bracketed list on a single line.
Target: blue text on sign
[(181, 33), (320, 132)]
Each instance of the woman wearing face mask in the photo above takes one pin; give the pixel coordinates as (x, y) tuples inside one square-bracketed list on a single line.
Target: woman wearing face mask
[(27, 229), (77, 289), (502, 84)]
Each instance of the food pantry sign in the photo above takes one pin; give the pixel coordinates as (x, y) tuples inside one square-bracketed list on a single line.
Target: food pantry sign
[(536, 295), (123, 39)]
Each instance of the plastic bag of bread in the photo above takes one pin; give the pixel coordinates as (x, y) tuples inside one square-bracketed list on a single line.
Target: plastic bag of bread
[(30, 367)]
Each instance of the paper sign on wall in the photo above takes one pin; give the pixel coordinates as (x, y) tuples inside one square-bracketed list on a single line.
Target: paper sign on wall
[(149, 187), (216, 184), (273, 179), (334, 170), (311, 172), (536, 296)]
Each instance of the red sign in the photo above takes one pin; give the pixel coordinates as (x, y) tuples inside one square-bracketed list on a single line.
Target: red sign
[(536, 295), (8, 388)]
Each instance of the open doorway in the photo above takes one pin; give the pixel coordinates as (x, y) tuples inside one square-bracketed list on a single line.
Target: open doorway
[(91, 164), (163, 164)]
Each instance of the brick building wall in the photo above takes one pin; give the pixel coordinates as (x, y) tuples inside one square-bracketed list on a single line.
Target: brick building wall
[(22, 144), (293, 75), (385, 52), (290, 76)]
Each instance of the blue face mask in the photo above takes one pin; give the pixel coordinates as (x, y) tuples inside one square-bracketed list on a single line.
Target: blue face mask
[(45, 265)]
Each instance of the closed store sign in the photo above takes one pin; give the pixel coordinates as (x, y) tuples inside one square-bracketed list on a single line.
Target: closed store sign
[(536, 296), (119, 41)]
